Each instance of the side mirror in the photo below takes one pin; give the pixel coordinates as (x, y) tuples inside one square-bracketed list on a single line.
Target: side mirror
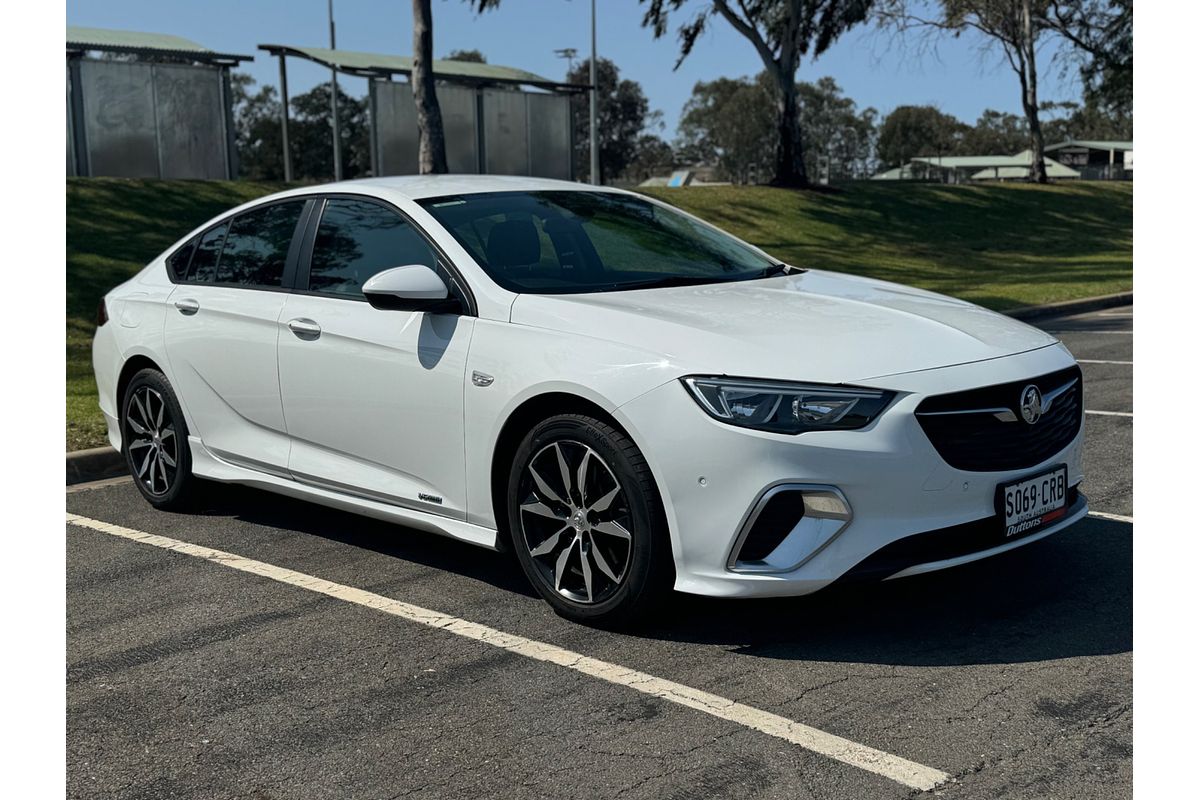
[(415, 287)]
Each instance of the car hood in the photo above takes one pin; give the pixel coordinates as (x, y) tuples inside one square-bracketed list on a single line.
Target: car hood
[(813, 326)]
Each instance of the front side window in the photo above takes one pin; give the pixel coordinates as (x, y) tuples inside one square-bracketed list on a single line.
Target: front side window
[(357, 239), (579, 241), (257, 245), (208, 252)]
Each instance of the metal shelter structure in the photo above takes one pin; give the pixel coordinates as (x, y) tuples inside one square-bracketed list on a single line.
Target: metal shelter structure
[(494, 124), (162, 108)]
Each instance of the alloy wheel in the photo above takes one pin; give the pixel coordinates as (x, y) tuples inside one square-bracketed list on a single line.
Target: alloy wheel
[(153, 445), (575, 521)]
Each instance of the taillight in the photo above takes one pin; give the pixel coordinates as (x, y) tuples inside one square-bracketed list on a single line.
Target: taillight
[(101, 313)]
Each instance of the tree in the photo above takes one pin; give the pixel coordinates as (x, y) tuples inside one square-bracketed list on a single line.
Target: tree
[(1087, 121), (651, 156), (837, 133), (1015, 26), (431, 134), (995, 133), (256, 127), (1102, 31), (918, 131), (730, 122), (471, 56), (622, 114), (782, 31), (312, 157)]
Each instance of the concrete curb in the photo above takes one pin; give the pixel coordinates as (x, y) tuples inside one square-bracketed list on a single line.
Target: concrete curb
[(1072, 306), (93, 465)]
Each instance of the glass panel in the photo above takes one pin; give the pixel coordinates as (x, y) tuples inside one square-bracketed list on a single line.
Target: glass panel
[(356, 240), (178, 262), (257, 246), (208, 251), (571, 241)]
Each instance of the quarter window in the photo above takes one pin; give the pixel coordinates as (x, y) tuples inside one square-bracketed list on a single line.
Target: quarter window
[(356, 240), (257, 245), (178, 262), (208, 252)]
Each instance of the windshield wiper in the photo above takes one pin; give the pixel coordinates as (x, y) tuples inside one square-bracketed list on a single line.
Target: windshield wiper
[(779, 269), (670, 280)]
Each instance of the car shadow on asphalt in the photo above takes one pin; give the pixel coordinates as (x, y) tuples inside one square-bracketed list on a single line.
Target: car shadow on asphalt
[(1065, 596), (1068, 595)]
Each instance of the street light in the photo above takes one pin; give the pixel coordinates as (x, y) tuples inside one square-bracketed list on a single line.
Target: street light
[(337, 135), (569, 54), (595, 129)]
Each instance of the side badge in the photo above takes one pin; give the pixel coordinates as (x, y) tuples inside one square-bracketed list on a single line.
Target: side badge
[(481, 378)]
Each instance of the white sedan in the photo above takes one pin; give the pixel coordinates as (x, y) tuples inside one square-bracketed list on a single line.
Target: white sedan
[(628, 397)]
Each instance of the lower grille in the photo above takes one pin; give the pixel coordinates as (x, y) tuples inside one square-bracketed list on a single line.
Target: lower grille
[(982, 430), (944, 544)]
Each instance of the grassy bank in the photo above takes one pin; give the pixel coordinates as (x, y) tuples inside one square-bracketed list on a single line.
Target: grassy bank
[(1001, 246)]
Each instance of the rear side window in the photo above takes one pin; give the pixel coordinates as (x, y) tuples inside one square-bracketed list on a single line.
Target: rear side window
[(178, 262), (208, 252), (358, 239), (256, 248)]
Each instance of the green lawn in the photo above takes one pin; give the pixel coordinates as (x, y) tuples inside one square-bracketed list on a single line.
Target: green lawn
[(1001, 246)]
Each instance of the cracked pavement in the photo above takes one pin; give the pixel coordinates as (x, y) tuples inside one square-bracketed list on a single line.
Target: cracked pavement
[(189, 680)]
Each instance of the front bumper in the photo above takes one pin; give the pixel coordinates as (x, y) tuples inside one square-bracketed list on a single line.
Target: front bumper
[(711, 474)]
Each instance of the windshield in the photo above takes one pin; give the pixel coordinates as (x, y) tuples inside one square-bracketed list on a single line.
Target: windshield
[(558, 242)]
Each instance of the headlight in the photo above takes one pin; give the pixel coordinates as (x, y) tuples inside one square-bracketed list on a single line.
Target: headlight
[(787, 407)]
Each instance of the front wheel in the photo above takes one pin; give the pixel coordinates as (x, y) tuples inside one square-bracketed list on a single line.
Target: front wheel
[(586, 521), (154, 438)]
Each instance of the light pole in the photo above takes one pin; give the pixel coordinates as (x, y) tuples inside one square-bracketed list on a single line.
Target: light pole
[(337, 133), (594, 127), (569, 54)]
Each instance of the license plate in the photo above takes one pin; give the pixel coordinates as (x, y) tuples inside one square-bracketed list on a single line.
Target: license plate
[(1030, 503)]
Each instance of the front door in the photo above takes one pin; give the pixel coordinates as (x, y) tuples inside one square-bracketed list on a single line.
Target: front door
[(373, 399)]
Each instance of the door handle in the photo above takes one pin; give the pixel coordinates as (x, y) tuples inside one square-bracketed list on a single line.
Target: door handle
[(187, 306), (305, 328)]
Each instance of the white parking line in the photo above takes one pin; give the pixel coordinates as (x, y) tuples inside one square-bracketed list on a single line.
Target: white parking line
[(1110, 413), (909, 773), (1100, 361), (1113, 517)]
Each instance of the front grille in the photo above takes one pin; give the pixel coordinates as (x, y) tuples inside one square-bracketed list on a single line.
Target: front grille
[(977, 440)]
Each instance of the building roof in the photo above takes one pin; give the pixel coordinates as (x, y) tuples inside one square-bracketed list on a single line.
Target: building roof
[(1091, 144), (1004, 164), (369, 65), (137, 43), (1053, 170)]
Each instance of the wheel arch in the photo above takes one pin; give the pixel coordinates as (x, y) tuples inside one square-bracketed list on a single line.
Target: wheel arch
[(132, 366), (521, 420)]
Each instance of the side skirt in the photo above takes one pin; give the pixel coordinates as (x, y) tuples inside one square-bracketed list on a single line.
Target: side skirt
[(207, 465)]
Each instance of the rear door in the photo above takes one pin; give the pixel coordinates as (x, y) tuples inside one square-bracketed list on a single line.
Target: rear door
[(373, 399), (222, 333)]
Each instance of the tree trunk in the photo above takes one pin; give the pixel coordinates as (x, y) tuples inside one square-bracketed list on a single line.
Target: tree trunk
[(789, 153), (1029, 96), (431, 154)]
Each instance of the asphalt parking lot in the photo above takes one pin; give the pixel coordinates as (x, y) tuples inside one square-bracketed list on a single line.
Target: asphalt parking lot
[(194, 674)]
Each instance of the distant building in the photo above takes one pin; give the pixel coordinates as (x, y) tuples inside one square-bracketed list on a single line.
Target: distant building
[(961, 169), (1096, 160)]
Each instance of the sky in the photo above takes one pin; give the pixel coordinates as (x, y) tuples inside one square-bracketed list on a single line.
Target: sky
[(872, 67)]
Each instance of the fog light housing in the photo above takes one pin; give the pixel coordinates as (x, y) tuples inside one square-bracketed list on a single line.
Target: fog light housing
[(786, 526)]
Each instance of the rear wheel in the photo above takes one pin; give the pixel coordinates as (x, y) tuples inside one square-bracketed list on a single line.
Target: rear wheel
[(586, 521), (154, 438)]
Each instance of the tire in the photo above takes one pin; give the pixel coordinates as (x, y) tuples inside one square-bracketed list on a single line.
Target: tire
[(154, 440), (601, 556)]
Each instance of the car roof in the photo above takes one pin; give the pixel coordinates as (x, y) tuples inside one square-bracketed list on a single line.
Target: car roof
[(418, 187)]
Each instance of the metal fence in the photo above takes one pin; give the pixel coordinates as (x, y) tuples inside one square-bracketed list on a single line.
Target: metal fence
[(145, 120), (493, 131)]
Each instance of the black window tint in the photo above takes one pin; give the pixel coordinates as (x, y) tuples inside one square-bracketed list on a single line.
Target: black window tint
[(208, 252), (257, 246), (177, 264), (357, 239)]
